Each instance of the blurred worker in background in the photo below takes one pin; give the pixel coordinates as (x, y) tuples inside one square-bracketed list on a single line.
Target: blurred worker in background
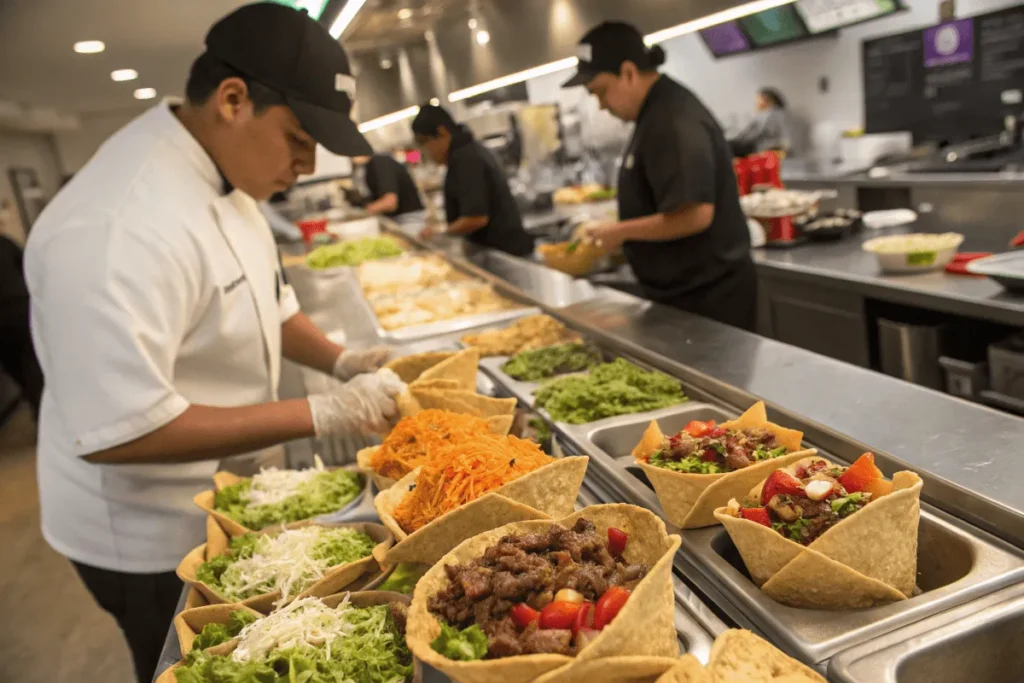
[(386, 185), (770, 131)]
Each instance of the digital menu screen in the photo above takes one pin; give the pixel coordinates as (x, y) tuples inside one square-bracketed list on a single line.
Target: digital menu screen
[(827, 15), (725, 39), (772, 26)]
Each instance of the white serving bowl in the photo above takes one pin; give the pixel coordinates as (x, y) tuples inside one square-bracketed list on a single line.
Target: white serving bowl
[(914, 252)]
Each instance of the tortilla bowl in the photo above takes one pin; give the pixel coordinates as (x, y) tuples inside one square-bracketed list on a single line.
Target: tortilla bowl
[(458, 401), (739, 655), (643, 629), (410, 368), (189, 622), (334, 580), (368, 598), (864, 560), (627, 669), (687, 669), (545, 493), (689, 500), (206, 500)]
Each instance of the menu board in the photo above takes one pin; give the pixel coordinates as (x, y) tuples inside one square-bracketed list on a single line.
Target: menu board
[(828, 15), (725, 39), (772, 26), (948, 82)]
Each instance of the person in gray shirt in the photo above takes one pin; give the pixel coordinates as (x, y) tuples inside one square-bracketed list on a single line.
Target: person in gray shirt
[(770, 129)]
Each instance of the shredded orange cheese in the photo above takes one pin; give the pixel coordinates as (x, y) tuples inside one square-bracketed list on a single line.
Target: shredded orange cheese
[(461, 472), (415, 437)]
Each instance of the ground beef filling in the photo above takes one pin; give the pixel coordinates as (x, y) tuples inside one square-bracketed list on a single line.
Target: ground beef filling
[(732, 448), (803, 520), (530, 568)]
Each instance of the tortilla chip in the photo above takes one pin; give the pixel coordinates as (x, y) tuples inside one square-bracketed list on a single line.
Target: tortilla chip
[(333, 581), (612, 670), (461, 367), (687, 669), (867, 559), (739, 655), (189, 622), (644, 628), (689, 500), (205, 500), (409, 368), (466, 402), (547, 492), (367, 598), (439, 384)]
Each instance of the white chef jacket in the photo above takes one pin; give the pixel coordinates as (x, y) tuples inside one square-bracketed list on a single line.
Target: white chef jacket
[(151, 290)]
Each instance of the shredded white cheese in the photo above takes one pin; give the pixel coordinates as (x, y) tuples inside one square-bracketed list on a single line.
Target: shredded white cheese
[(304, 624), (272, 485)]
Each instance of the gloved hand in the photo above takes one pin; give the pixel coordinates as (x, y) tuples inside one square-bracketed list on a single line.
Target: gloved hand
[(352, 363), (366, 404)]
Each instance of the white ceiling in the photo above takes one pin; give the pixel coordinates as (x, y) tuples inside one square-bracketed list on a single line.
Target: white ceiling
[(157, 38)]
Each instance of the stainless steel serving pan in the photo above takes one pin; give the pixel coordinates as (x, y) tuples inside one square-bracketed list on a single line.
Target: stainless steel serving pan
[(956, 563), (523, 391), (981, 641)]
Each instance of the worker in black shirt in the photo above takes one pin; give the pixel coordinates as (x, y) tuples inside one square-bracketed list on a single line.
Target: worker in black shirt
[(478, 203), (680, 222), (389, 187)]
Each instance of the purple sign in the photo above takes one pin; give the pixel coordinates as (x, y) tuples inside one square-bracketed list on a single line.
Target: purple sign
[(725, 39), (950, 43)]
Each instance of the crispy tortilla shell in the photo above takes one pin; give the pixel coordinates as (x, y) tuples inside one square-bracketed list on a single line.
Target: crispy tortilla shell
[(643, 629), (687, 669), (460, 401), (867, 559), (740, 656), (410, 368), (627, 669), (547, 492), (367, 598), (689, 500), (189, 622), (334, 580)]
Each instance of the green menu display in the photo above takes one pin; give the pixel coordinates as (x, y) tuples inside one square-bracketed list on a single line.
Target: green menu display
[(774, 26)]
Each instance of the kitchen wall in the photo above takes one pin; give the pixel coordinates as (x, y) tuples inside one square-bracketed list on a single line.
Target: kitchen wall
[(25, 150), (729, 85), (75, 147)]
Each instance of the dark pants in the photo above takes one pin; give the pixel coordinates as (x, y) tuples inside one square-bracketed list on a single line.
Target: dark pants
[(17, 356), (731, 300), (142, 604)]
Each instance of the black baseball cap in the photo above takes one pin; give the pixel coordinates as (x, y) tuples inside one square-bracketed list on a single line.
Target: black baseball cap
[(286, 50), (605, 47)]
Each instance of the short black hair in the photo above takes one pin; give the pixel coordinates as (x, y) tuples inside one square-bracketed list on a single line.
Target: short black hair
[(773, 96), (432, 117), (208, 72)]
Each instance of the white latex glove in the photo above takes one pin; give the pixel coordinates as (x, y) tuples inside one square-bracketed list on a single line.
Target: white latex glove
[(352, 363), (366, 404)]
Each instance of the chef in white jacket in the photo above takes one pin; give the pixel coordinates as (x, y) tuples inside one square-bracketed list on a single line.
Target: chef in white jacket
[(160, 313)]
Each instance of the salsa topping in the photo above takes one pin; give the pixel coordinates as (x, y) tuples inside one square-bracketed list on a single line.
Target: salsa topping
[(705, 448), (548, 592), (804, 506)]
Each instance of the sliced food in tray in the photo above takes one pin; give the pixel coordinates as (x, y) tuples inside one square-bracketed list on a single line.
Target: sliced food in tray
[(403, 275), (455, 302), (706, 464), (609, 389), (353, 252), (822, 536), (530, 332)]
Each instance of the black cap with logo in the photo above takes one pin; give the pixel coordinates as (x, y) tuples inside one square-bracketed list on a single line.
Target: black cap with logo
[(605, 47), (288, 51)]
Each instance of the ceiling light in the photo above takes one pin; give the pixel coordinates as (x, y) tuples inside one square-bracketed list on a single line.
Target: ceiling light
[(124, 75), (348, 13), (519, 77), (472, 22), (435, 102), (385, 63), (89, 47), (145, 94), (483, 37), (713, 19), (393, 117), (405, 13)]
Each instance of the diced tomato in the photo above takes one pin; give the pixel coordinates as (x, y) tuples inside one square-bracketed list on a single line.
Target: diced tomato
[(759, 515), (697, 429), (617, 540), (780, 482), (860, 474), (717, 433), (608, 605), (584, 617), (709, 455), (523, 615), (559, 614)]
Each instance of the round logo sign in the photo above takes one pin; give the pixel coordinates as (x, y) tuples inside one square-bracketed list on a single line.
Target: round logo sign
[(947, 40)]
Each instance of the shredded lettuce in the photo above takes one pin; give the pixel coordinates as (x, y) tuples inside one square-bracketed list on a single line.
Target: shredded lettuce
[(466, 645), (318, 494), (844, 507), (353, 252), (692, 464), (762, 453), (404, 578), (216, 634), (362, 645)]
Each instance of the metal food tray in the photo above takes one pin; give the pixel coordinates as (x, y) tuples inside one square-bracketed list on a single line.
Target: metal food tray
[(956, 563), (523, 391), (1006, 269), (980, 641)]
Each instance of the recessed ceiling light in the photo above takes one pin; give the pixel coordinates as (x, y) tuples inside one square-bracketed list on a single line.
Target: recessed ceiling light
[(145, 94), (124, 75), (89, 47), (405, 13), (434, 101), (472, 22), (483, 37), (385, 63)]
